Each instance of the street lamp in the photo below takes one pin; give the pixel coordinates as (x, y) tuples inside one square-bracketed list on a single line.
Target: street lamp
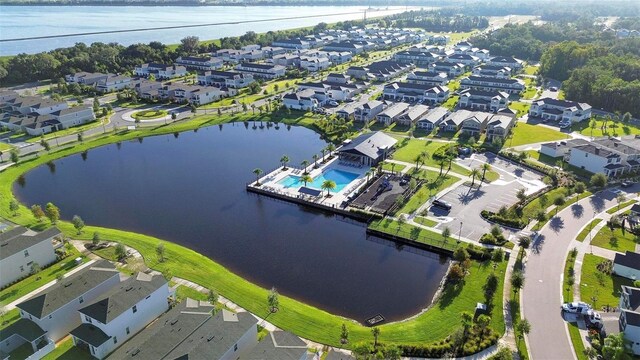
[(460, 232)]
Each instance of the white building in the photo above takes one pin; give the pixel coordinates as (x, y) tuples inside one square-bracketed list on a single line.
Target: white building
[(596, 159), (113, 83), (200, 62), (266, 71), (510, 86), (557, 110), (55, 309), (21, 248), (122, 312), (228, 79), (629, 320), (483, 100), (300, 100), (391, 113), (160, 71), (627, 265), (428, 78), (368, 111), (432, 119)]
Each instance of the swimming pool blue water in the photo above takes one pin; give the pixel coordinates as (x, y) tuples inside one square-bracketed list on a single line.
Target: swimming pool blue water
[(341, 178)]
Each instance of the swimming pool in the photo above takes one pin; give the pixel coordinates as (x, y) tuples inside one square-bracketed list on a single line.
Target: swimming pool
[(341, 178)]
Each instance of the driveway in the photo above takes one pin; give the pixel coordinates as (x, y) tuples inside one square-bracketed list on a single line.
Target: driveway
[(541, 296)]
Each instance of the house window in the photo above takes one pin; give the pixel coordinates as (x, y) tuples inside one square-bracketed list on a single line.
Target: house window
[(235, 347), (87, 319), (81, 299), (115, 339), (135, 309), (128, 331), (26, 253)]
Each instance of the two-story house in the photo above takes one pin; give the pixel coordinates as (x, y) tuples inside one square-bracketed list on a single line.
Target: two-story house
[(21, 248), (502, 72), (122, 312), (475, 122), (160, 71), (292, 44), (483, 100), (466, 60), (510, 86), (300, 100), (432, 118), (416, 56), (368, 111), (596, 159), (416, 92), (412, 114), (557, 110), (628, 265), (508, 61), (203, 63), (391, 113), (453, 69), (113, 83), (55, 309), (629, 320), (222, 79), (265, 71), (281, 345), (499, 126), (428, 78)]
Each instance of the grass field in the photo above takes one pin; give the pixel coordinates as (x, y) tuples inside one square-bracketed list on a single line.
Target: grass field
[(519, 107), (583, 234), (393, 167), (149, 114), (66, 351), (616, 240), (606, 288), (567, 290), (529, 93), (5, 147), (424, 221), (531, 69), (614, 128), (529, 134), (621, 206), (411, 148), (302, 319), (434, 185), (451, 102), (576, 340), (74, 130)]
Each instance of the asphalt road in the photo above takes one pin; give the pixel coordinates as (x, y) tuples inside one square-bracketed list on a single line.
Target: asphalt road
[(542, 293)]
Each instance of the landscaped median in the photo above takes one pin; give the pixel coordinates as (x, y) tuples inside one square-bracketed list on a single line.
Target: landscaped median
[(428, 328)]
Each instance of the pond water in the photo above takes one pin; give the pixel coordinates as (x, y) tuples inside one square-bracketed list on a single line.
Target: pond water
[(190, 189)]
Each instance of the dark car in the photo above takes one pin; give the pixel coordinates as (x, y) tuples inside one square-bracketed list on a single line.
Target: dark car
[(441, 204), (626, 184)]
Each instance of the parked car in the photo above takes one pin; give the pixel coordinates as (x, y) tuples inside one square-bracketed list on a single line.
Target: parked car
[(553, 88), (441, 204), (577, 307), (333, 103), (626, 184), (594, 318), (564, 124)]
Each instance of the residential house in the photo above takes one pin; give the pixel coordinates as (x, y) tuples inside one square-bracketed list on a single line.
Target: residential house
[(55, 310), (271, 51), (483, 100), (411, 115), (266, 71), (358, 72), (453, 69), (147, 90), (629, 320), (160, 71), (454, 120), (314, 63), (21, 248), (627, 265), (367, 149), (501, 72), (416, 56), (561, 148), (203, 63), (337, 91), (225, 79), (113, 83), (386, 70), (467, 60), (286, 60), (391, 113), (338, 78), (416, 92), (348, 112), (20, 333), (226, 54), (33, 105), (596, 159), (432, 118), (338, 355), (280, 345), (499, 126), (339, 57), (368, 111), (508, 61), (510, 86), (475, 122), (123, 311), (428, 78), (84, 78), (349, 46), (191, 331), (292, 44), (556, 110), (300, 100)]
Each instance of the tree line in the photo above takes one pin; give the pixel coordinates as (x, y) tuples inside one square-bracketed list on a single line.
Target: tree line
[(440, 21)]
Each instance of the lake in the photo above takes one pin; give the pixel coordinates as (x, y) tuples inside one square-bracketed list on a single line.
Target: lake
[(32, 21), (190, 190)]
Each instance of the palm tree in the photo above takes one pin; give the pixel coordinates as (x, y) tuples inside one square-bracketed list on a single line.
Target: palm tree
[(305, 164), (474, 173), (258, 172), (368, 173), (323, 152), (485, 167), (284, 160), (467, 319), (620, 199), (376, 332), (315, 161), (328, 185), (330, 149), (305, 179)]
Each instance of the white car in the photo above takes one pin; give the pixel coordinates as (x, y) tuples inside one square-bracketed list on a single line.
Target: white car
[(333, 103), (594, 318), (564, 124), (577, 307)]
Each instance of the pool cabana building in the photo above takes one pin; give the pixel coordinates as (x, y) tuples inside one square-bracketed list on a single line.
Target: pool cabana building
[(367, 149)]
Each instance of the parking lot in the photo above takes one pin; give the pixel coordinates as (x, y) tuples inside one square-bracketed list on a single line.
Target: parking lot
[(467, 202)]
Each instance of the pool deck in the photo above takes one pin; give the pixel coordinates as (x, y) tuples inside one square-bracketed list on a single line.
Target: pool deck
[(269, 185)]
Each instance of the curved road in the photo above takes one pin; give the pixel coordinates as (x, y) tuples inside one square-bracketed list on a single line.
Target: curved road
[(542, 293)]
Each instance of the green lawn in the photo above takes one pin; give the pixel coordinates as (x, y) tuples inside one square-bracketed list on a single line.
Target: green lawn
[(529, 93), (10, 317), (393, 167), (183, 292), (621, 206), (519, 107), (614, 128), (528, 134), (531, 69), (149, 114), (616, 240), (66, 351), (531, 209), (434, 185), (5, 147), (567, 290), (583, 234), (576, 340), (451, 102), (33, 282), (606, 288), (409, 149), (302, 319), (543, 158), (424, 221), (73, 130)]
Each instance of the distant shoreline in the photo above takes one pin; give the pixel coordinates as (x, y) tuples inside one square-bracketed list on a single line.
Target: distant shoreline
[(372, 6)]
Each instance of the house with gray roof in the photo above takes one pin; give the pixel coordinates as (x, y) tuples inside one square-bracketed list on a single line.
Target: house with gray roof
[(554, 109), (432, 118), (629, 320), (21, 248), (119, 314), (337, 355), (391, 113), (55, 310), (367, 149), (281, 345), (510, 86), (191, 331), (627, 265), (22, 332)]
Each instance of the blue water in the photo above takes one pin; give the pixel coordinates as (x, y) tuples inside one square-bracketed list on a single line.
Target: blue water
[(341, 178)]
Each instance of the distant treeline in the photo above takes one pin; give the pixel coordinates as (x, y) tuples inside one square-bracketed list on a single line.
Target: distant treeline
[(595, 66), (439, 21)]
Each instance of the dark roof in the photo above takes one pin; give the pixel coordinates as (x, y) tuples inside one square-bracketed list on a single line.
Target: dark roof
[(24, 328), (259, 66), (69, 289), (635, 208), (170, 330), (633, 318), (214, 338), (280, 345), (309, 191), (491, 80), (369, 144), (16, 240), (122, 297), (630, 259), (562, 103), (336, 355), (90, 334)]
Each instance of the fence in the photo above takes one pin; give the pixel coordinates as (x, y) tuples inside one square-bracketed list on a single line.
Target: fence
[(415, 237)]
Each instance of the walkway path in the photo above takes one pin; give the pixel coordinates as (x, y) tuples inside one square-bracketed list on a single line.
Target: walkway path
[(542, 293)]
